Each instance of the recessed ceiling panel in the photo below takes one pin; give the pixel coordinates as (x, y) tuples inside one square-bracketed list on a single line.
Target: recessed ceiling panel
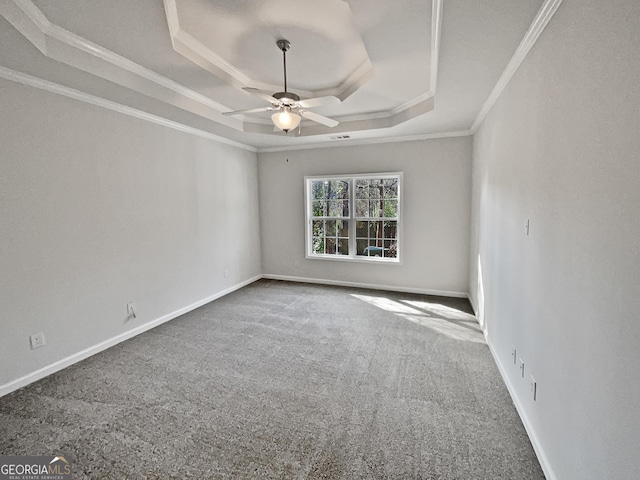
[(237, 40)]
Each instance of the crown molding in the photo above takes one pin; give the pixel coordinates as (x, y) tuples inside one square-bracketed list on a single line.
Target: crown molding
[(368, 141), (41, 84), (546, 12)]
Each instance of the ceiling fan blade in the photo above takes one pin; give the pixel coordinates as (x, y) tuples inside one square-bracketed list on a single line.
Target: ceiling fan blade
[(252, 110), (262, 94), (329, 122), (317, 101)]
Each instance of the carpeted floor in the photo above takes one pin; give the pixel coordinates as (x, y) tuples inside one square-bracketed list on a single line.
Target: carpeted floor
[(283, 380)]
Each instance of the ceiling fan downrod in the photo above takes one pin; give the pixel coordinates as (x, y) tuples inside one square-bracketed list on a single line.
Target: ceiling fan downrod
[(286, 97), (284, 45)]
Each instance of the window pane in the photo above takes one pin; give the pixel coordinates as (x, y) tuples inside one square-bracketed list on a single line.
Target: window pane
[(390, 229), (375, 229), (331, 245), (362, 208), (374, 208), (376, 188), (391, 188), (343, 246), (361, 245), (337, 208), (319, 208), (362, 188), (338, 189), (342, 228), (318, 245), (330, 228), (317, 190), (362, 229), (317, 228), (390, 208), (390, 248)]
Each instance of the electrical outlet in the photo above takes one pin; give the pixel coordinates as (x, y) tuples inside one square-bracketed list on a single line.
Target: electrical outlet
[(296, 263), (533, 387), (522, 368), (226, 273), (131, 310), (513, 355), (37, 340)]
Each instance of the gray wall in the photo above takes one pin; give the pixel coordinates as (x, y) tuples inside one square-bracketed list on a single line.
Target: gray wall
[(99, 209), (437, 206), (561, 148)]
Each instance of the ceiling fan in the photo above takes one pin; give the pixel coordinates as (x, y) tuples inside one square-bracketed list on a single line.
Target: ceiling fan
[(287, 105)]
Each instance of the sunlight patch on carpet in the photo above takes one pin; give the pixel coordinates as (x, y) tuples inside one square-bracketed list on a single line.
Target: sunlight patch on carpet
[(440, 318)]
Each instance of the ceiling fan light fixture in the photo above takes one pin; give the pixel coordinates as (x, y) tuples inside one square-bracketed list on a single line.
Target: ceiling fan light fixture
[(286, 120), (284, 103)]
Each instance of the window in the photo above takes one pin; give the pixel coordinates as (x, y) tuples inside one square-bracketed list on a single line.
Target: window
[(354, 217)]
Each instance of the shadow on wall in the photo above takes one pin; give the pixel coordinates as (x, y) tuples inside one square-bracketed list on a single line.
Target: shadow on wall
[(442, 319)]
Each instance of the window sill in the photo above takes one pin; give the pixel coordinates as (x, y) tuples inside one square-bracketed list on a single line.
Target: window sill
[(359, 259)]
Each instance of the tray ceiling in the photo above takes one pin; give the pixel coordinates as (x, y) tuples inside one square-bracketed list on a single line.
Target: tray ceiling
[(415, 67)]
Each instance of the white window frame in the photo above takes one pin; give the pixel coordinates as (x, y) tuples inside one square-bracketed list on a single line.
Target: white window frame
[(352, 256)]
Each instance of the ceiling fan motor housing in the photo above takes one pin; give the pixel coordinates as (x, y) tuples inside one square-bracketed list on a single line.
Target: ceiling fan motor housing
[(287, 97)]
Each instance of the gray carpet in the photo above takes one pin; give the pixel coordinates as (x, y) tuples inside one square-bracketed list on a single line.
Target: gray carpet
[(282, 380)]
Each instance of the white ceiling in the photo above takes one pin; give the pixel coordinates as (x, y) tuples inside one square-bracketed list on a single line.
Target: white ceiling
[(405, 68)]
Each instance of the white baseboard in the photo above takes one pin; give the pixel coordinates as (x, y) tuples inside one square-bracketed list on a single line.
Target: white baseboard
[(88, 352), (535, 442), (423, 291)]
